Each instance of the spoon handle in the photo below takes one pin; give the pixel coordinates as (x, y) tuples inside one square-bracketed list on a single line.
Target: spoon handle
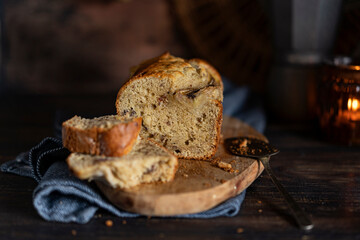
[(301, 218)]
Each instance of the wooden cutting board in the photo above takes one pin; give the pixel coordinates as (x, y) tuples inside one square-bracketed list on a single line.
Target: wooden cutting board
[(198, 185)]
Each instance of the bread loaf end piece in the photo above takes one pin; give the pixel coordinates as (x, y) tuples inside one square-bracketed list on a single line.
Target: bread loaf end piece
[(107, 135)]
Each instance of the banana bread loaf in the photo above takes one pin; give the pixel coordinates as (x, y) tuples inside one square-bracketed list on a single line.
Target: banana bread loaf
[(107, 136), (180, 102), (147, 162)]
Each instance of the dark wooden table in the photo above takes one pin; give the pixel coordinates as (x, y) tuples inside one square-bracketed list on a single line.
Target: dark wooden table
[(324, 179)]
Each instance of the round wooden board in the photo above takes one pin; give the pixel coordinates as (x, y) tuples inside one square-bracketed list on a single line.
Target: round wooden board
[(198, 185)]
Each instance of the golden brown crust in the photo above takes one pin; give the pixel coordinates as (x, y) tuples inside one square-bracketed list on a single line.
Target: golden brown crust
[(137, 69), (116, 141), (210, 69), (166, 66)]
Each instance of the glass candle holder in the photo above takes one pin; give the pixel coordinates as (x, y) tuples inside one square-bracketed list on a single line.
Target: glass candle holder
[(339, 101)]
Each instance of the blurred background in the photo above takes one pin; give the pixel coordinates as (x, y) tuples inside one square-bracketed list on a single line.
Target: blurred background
[(86, 47)]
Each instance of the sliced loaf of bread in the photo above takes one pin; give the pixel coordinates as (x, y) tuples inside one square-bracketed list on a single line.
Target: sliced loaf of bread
[(147, 162), (107, 135), (180, 102)]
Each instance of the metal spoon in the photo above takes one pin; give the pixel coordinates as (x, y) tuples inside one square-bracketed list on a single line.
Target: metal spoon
[(255, 148)]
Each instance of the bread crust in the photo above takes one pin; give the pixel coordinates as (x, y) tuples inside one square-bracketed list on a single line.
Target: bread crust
[(169, 67), (210, 69), (115, 141), (154, 68)]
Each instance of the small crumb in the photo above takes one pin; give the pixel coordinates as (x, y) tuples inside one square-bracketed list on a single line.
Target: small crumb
[(243, 144), (223, 181), (124, 222), (240, 148), (215, 161), (240, 230), (109, 223), (233, 161), (60, 202), (225, 166), (99, 215), (73, 232), (259, 202), (237, 171), (260, 210), (185, 175)]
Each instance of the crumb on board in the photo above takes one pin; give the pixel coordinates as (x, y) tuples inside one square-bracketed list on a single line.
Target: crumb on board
[(185, 175), (223, 165), (223, 181), (124, 222), (260, 210), (259, 201), (109, 223), (215, 161), (239, 230), (73, 232)]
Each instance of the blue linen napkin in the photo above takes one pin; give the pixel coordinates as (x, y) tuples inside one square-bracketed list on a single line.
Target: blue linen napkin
[(59, 196)]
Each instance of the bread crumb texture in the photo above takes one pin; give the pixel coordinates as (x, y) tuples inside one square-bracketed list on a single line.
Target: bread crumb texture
[(180, 102), (147, 162)]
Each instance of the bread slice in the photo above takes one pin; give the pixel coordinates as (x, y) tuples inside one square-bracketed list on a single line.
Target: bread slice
[(107, 135), (180, 102), (147, 162)]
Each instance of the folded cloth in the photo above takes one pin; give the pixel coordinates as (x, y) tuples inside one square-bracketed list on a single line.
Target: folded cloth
[(59, 196)]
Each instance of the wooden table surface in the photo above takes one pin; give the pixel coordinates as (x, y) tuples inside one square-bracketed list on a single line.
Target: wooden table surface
[(324, 178)]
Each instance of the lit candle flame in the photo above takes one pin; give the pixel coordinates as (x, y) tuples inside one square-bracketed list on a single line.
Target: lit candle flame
[(353, 104)]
